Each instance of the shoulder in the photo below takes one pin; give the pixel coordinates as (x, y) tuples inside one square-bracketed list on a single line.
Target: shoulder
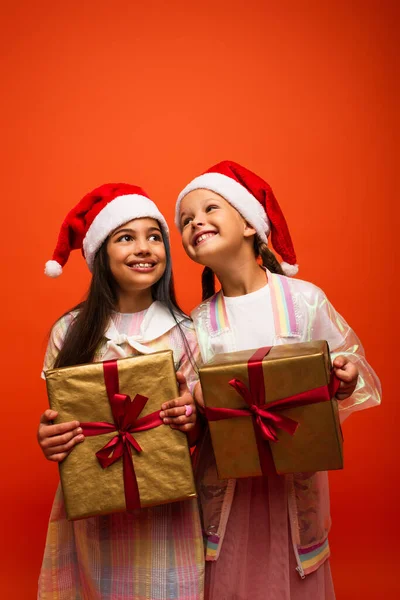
[(60, 327), (57, 338), (202, 308), (303, 288), (66, 320)]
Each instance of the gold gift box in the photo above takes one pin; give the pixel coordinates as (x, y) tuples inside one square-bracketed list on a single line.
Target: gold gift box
[(163, 469), (288, 370)]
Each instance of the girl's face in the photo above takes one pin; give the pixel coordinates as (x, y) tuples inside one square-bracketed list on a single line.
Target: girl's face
[(212, 230), (136, 254)]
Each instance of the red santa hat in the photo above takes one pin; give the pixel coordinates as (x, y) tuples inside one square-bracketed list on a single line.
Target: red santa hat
[(91, 221), (254, 199)]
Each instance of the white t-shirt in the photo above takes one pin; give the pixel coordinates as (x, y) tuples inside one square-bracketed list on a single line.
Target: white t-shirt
[(251, 319)]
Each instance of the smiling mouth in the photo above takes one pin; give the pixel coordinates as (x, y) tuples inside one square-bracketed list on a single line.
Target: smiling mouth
[(143, 267), (203, 237)]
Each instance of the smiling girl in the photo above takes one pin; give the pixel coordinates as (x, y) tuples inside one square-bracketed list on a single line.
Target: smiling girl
[(130, 307), (267, 536)]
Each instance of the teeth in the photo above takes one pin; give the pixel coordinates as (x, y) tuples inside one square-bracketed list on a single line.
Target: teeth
[(204, 236), (143, 265)]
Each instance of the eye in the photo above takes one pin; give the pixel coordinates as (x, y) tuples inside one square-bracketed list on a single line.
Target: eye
[(186, 221), (211, 207), (125, 238), (155, 237)]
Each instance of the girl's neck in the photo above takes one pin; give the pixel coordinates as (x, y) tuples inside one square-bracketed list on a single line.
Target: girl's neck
[(132, 302), (244, 278)]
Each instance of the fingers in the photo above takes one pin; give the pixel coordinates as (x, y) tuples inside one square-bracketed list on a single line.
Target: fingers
[(347, 375), (187, 427), (175, 411), (60, 440), (56, 441), (46, 431), (48, 415), (178, 416), (176, 402), (57, 457), (58, 452), (345, 390), (183, 387), (52, 450), (181, 420), (347, 372), (340, 362), (177, 407)]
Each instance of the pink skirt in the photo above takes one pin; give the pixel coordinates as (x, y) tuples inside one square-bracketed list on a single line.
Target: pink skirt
[(257, 560)]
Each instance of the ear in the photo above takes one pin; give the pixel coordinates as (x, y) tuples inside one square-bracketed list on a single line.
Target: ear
[(248, 230)]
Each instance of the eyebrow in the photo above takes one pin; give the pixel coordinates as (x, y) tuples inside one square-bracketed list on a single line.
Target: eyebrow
[(212, 199), (129, 230)]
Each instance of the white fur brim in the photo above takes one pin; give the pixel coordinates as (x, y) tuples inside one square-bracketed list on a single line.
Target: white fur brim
[(289, 270), (117, 212), (52, 268), (234, 193)]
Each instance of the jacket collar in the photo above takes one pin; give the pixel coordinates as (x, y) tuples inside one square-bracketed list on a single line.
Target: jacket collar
[(283, 307), (157, 321)]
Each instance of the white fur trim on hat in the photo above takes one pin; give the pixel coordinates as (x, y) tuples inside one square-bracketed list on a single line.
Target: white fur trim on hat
[(52, 268), (289, 270), (234, 193), (117, 212)]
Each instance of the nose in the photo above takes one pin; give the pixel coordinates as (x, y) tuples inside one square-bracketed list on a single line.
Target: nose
[(142, 247), (197, 221)]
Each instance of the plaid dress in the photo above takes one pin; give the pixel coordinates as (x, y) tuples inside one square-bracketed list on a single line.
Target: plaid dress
[(152, 553)]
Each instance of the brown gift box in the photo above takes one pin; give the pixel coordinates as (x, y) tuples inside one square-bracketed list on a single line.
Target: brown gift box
[(288, 370), (163, 469)]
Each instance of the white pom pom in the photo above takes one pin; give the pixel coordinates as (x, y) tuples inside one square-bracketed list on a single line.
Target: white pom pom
[(289, 270), (52, 268)]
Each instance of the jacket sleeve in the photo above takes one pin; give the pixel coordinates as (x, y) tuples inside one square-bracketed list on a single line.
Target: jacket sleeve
[(188, 365), (56, 341), (190, 356), (327, 324)]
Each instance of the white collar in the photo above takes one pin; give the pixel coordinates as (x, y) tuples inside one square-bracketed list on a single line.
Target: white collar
[(157, 321)]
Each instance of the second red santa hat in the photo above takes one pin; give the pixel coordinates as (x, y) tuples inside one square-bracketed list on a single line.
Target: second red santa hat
[(254, 199)]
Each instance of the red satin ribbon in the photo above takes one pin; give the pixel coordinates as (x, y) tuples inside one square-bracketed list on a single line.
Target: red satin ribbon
[(266, 420), (126, 422)]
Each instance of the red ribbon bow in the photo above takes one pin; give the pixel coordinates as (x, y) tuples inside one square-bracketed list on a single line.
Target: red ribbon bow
[(264, 416), (266, 420), (126, 422)]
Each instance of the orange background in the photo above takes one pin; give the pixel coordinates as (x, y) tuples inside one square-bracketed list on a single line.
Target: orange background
[(152, 93)]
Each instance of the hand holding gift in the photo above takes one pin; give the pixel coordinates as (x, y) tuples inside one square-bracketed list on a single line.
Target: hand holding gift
[(57, 441), (180, 413), (347, 373)]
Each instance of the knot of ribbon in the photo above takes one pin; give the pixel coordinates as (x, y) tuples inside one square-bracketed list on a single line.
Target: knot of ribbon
[(265, 418), (126, 422)]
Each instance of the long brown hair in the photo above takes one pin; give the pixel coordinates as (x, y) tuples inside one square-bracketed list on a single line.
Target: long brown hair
[(261, 249), (87, 329)]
